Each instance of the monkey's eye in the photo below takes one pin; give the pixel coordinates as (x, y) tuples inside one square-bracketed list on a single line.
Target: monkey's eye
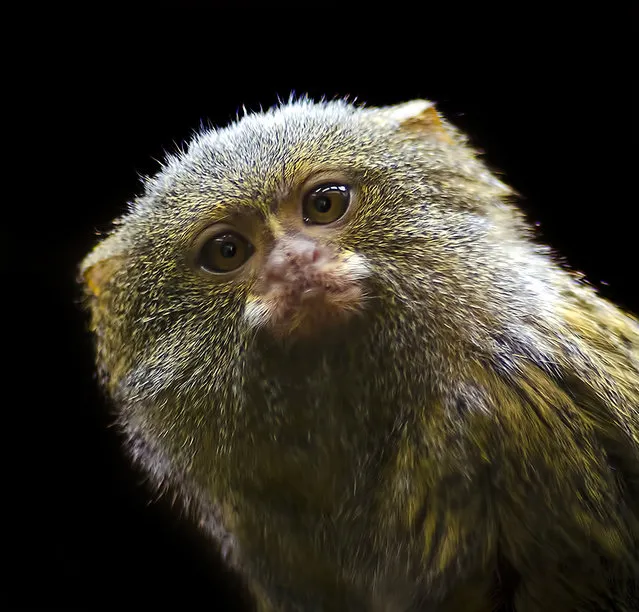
[(326, 204), (223, 252)]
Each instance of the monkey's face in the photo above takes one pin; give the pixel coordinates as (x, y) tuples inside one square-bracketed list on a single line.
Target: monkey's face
[(297, 277), (293, 224)]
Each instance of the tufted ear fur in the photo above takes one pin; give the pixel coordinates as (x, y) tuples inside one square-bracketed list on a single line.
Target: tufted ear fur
[(417, 116), (100, 265)]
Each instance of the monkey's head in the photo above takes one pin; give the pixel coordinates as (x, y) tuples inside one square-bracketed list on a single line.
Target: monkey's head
[(311, 225)]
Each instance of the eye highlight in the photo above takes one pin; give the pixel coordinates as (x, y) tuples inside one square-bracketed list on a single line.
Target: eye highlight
[(223, 251), (326, 203)]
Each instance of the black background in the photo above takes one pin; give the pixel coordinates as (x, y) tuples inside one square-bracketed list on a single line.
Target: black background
[(100, 95)]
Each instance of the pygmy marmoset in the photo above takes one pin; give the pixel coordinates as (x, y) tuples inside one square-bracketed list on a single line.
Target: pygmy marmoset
[(328, 328)]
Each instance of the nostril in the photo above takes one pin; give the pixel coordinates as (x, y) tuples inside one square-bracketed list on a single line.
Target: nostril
[(302, 252), (288, 261)]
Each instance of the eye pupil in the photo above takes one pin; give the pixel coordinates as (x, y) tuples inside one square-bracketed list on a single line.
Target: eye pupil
[(322, 204), (228, 249)]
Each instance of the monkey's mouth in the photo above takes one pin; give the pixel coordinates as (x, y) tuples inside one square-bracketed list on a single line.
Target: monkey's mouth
[(306, 288), (306, 308)]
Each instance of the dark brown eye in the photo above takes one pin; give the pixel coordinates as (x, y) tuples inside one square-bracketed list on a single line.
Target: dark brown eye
[(326, 204), (224, 252)]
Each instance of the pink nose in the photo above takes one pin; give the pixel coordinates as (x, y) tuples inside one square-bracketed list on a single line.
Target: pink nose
[(293, 260)]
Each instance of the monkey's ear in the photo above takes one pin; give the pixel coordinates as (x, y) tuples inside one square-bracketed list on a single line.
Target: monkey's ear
[(100, 265), (417, 116)]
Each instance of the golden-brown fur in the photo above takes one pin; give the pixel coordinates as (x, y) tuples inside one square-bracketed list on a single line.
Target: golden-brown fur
[(467, 438)]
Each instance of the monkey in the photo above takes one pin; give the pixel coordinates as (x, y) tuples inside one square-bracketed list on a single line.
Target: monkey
[(330, 328)]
